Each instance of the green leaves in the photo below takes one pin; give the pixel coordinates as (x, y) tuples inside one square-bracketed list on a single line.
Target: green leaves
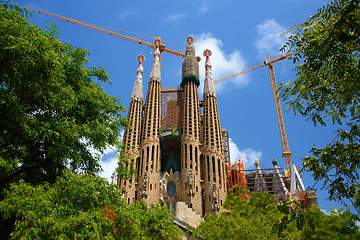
[(52, 110), (82, 207), (326, 90), (327, 69), (259, 217), (338, 165), (246, 218)]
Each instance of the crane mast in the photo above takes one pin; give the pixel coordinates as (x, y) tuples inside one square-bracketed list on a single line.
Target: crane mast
[(286, 152), (112, 33)]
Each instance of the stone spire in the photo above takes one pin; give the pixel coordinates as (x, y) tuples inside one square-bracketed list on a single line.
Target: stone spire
[(130, 152), (190, 66), (190, 139), (149, 168), (212, 149), (137, 92), (156, 69), (209, 86)]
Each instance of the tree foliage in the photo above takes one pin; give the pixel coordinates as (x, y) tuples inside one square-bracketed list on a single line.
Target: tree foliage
[(82, 207), (326, 51), (245, 218), (258, 217), (52, 112), (54, 116)]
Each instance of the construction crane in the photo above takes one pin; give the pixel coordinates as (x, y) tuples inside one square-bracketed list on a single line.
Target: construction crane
[(286, 152), (114, 34)]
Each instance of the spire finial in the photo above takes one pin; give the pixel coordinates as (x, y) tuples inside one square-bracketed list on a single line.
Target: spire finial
[(140, 59), (137, 93), (274, 162), (155, 74), (157, 44), (207, 53), (189, 40)]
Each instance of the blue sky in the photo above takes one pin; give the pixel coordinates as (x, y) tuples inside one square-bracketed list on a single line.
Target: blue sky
[(239, 33)]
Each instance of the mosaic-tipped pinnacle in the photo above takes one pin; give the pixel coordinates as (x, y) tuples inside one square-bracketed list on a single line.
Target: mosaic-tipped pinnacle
[(140, 58), (207, 53), (189, 39)]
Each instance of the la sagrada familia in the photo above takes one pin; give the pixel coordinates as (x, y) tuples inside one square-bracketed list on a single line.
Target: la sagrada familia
[(175, 140)]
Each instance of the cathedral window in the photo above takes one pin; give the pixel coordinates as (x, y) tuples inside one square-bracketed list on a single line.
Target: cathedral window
[(219, 170), (196, 159), (208, 168), (171, 189)]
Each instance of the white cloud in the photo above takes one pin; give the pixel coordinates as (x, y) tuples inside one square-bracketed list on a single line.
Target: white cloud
[(248, 155), (324, 211), (222, 64), (204, 5), (269, 40), (204, 9), (175, 17), (128, 12), (108, 163)]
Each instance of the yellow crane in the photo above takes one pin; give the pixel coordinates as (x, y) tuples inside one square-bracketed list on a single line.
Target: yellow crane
[(286, 152), (114, 34)]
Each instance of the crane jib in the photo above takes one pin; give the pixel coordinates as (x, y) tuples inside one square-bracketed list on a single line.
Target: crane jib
[(111, 33)]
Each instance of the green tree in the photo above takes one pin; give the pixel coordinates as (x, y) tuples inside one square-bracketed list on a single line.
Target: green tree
[(82, 207), (338, 224), (326, 51), (52, 113), (244, 219), (259, 217)]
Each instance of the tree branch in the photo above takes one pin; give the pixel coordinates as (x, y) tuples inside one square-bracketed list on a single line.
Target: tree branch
[(17, 173)]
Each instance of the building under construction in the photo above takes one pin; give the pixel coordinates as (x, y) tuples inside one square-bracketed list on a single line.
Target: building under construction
[(176, 143), (283, 185), (178, 152), (179, 149)]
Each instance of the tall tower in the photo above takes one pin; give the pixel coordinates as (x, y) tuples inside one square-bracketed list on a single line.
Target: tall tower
[(131, 139), (179, 154), (190, 140), (212, 148), (149, 174)]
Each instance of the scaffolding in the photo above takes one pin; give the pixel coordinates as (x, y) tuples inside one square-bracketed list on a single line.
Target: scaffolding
[(171, 100), (268, 180), (236, 175), (225, 136)]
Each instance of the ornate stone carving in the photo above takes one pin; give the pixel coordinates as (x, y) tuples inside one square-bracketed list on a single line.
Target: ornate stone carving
[(215, 206), (165, 179), (214, 191), (191, 182), (191, 191), (144, 192)]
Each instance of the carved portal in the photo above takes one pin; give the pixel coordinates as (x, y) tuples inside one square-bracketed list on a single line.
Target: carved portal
[(169, 188)]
